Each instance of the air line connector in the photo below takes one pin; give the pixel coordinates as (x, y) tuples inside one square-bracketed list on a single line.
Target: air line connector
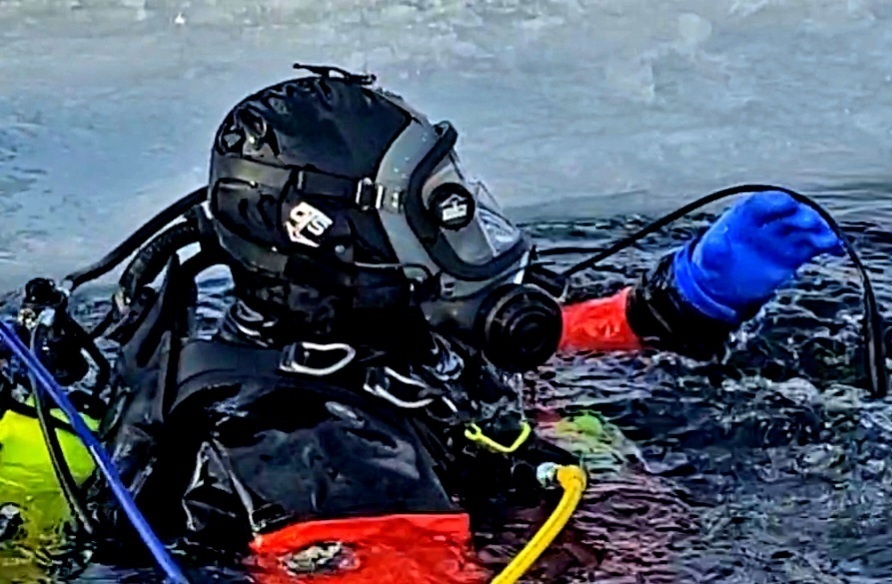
[(546, 474)]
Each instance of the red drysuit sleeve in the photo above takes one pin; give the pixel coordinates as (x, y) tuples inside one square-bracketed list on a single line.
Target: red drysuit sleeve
[(600, 324)]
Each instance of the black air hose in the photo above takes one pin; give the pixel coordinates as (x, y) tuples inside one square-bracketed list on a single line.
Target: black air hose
[(153, 257)]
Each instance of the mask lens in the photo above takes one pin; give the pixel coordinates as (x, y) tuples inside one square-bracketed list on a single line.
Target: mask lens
[(500, 233), (487, 236)]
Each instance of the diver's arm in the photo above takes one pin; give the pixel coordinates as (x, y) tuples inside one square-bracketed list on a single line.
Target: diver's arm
[(696, 296), (599, 324), (648, 314)]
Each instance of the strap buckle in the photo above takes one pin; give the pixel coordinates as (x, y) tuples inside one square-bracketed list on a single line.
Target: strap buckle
[(369, 195)]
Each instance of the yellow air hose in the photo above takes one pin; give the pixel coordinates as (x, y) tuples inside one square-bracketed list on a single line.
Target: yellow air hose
[(572, 479)]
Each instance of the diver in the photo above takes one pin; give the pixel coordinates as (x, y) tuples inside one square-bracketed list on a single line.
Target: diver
[(364, 389)]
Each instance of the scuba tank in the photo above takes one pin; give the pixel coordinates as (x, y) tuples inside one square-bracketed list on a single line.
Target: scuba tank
[(27, 477), (42, 459)]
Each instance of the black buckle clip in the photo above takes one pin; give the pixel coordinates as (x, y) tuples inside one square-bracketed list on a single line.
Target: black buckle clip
[(369, 195)]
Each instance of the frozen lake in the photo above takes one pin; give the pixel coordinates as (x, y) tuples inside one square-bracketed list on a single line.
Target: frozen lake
[(567, 108)]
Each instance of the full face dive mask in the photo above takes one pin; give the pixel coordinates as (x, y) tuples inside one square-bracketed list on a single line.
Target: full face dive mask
[(484, 290)]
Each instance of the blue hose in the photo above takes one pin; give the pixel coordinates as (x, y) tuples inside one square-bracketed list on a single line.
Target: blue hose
[(103, 462)]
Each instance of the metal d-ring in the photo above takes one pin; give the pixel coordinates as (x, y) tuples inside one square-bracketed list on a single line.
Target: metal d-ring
[(289, 362)]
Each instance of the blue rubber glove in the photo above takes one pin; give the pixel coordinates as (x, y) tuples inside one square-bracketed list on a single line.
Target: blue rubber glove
[(748, 253)]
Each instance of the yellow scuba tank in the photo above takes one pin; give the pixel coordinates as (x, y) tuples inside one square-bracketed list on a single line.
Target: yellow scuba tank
[(27, 477)]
